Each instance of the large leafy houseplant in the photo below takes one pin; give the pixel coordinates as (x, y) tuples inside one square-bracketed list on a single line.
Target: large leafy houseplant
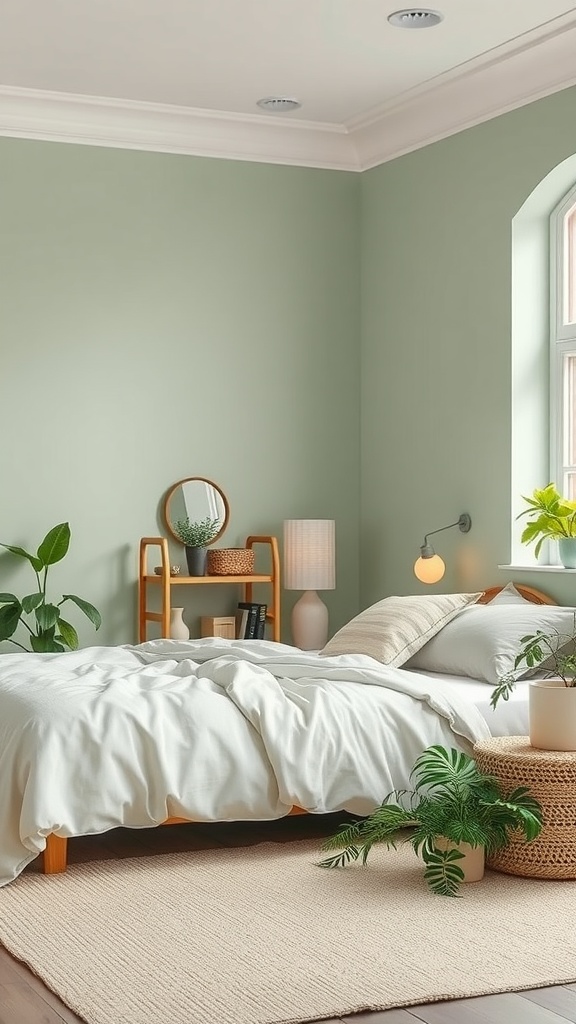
[(48, 631), (451, 800), (552, 517)]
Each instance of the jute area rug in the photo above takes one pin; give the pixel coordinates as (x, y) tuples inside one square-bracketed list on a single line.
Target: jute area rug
[(261, 935)]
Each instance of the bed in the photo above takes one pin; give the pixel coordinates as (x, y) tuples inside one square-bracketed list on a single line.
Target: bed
[(222, 730)]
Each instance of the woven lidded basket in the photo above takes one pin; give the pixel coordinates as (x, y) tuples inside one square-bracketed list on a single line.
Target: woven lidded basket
[(230, 561)]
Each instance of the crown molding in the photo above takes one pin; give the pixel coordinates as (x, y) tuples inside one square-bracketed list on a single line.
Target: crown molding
[(537, 65), (509, 77), (129, 124)]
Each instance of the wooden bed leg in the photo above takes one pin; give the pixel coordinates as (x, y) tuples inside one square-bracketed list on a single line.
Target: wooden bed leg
[(55, 854)]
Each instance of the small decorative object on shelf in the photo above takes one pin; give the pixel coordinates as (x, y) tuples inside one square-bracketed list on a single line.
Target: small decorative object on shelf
[(174, 570), (195, 537), (196, 560), (223, 626), (178, 628), (230, 561)]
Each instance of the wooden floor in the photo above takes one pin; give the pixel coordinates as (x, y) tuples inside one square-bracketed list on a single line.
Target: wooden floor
[(24, 999)]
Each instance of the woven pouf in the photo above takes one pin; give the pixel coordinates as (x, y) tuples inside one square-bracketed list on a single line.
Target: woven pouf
[(551, 778)]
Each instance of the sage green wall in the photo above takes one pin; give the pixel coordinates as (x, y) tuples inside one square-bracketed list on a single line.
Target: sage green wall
[(167, 316), (436, 348)]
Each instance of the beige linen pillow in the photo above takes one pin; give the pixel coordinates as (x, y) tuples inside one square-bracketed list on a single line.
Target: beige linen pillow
[(395, 628)]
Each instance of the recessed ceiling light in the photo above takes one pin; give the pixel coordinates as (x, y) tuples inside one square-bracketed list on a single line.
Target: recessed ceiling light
[(278, 104), (415, 17)]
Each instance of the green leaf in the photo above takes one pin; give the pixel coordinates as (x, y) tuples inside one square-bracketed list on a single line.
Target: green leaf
[(442, 873), (9, 619), (47, 616), (89, 610), (46, 644), (55, 544), (8, 599), (68, 634), (31, 602), (36, 563), (440, 767), (340, 860)]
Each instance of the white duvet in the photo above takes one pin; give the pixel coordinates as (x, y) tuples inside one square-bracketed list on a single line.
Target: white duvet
[(207, 730)]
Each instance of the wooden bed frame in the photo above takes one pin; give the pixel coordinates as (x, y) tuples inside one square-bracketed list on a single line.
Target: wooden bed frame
[(55, 854)]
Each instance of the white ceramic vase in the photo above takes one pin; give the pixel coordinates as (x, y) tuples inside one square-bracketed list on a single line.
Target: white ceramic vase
[(178, 628), (552, 715)]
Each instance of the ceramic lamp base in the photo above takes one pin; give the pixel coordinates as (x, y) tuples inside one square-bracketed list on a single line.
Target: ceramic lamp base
[(309, 622)]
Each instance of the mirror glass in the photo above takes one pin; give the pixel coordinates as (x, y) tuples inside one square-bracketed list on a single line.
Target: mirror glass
[(196, 498)]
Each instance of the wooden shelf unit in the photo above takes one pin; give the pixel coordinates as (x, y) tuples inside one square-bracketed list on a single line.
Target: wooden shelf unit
[(165, 581)]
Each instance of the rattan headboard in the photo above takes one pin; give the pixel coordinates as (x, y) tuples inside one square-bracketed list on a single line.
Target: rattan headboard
[(535, 596)]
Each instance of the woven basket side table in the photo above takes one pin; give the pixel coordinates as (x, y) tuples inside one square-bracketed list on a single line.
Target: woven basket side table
[(551, 778)]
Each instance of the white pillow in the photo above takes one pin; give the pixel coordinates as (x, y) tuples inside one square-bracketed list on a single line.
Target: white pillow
[(509, 595), (482, 642), (393, 629)]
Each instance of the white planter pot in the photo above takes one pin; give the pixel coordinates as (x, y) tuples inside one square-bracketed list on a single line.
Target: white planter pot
[(552, 715), (472, 863)]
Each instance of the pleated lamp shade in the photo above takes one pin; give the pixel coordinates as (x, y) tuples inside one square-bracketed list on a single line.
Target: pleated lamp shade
[(309, 565)]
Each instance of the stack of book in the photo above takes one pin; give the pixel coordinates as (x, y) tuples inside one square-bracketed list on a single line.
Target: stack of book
[(250, 620)]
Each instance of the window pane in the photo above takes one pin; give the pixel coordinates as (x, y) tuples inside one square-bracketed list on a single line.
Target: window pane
[(569, 456), (570, 270), (569, 486)]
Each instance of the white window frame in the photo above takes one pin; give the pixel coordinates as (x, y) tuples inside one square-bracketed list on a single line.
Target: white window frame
[(562, 343)]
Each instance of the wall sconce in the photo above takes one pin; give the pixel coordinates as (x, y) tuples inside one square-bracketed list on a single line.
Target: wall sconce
[(309, 565), (430, 568)]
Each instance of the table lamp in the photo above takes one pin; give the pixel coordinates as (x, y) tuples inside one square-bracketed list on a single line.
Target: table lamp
[(309, 565)]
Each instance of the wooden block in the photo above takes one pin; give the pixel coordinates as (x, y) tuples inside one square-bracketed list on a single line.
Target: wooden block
[(218, 625)]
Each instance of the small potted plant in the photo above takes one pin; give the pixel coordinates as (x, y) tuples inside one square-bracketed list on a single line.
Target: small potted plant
[(47, 630), (195, 537), (551, 701), (552, 518), (453, 816)]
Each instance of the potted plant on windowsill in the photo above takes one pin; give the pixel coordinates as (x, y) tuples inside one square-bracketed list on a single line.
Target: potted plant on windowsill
[(453, 816), (195, 536), (48, 632), (553, 518), (551, 701)]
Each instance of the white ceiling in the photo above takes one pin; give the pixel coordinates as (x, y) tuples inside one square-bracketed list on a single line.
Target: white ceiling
[(170, 66)]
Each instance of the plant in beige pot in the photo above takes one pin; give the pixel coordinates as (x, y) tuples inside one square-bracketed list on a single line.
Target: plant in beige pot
[(454, 814), (551, 701)]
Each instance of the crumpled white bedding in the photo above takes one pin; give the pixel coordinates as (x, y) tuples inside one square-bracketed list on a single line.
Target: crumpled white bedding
[(209, 730)]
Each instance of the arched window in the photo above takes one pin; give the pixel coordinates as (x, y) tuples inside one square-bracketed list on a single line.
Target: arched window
[(543, 334), (563, 346)]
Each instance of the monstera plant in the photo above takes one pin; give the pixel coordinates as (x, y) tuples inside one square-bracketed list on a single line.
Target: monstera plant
[(47, 630)]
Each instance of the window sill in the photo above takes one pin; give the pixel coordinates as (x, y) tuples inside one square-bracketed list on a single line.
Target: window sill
[(537, 568)]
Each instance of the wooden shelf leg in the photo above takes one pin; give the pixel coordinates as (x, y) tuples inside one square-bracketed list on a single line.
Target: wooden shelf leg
[(55, 854)]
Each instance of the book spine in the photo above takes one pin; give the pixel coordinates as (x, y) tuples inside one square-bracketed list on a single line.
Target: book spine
[(252, 622), (241, 623), (261, 621)]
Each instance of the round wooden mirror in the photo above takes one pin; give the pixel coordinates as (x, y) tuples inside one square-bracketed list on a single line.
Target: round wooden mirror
[(196, 499)]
